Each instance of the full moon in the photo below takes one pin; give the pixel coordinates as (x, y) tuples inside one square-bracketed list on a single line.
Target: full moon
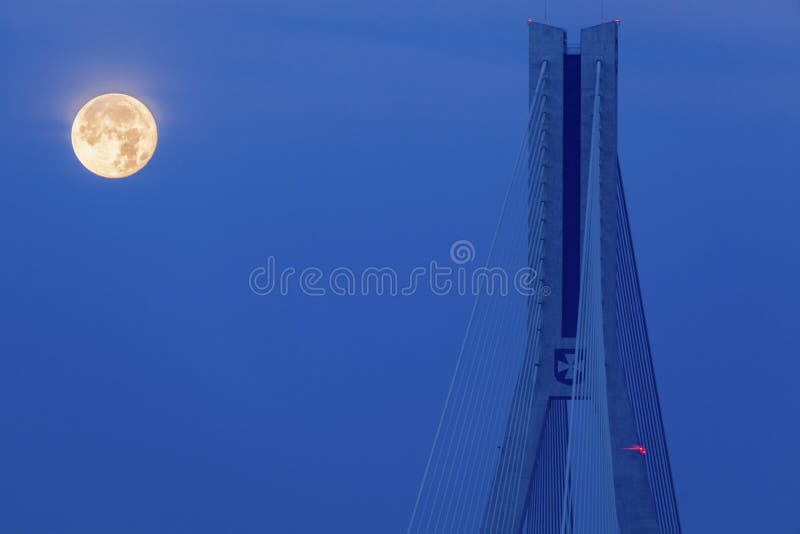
[(114, 135)]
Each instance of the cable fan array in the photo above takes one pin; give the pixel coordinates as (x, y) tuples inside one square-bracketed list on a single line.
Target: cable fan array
[(588, 502), (497, 352)]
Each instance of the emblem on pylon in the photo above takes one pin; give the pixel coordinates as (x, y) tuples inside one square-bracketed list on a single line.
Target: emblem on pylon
[(565, 366)]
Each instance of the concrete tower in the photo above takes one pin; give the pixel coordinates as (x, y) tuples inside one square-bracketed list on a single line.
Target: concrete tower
[(579, 98)]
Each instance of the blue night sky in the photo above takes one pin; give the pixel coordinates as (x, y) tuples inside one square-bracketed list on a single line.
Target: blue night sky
[(145, 389)]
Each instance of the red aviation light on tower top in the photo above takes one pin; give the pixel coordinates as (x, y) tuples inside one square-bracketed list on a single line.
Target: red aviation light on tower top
[(530, 21), (638, 448), (617, 21)]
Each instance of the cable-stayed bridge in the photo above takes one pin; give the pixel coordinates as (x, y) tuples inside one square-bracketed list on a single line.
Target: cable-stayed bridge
[(552, 421)]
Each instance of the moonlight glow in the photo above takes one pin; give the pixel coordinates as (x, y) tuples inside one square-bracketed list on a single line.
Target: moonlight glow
[(114, 135)]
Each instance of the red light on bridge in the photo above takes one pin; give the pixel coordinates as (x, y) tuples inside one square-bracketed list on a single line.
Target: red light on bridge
[(530, 20), (638, 448), (617, 21)]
